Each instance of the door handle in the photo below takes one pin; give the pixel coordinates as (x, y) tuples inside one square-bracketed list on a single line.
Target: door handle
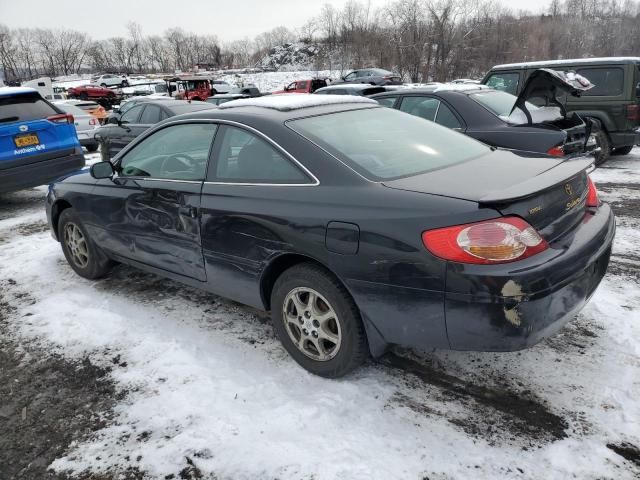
[(191, 212)]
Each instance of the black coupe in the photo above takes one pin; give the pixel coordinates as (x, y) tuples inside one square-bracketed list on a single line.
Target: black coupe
[(358, 226)]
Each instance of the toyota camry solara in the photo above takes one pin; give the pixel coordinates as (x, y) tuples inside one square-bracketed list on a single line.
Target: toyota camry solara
[(357, 226)]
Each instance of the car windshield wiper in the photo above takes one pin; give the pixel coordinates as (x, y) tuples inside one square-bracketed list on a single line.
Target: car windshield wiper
[(8, 119)]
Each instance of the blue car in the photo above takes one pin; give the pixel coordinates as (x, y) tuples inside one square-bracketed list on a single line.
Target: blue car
[(38, 142)]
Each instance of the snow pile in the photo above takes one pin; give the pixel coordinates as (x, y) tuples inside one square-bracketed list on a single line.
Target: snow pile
[(289, 56)]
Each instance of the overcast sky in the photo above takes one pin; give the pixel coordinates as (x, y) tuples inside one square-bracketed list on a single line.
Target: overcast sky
[(228, 19)]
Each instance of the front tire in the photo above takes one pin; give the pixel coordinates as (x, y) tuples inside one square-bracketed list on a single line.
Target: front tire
[(92, 148), (317, 321), (623, 150), (84, 256)]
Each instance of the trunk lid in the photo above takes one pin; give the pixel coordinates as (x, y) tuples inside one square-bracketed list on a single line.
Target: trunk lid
[(549, 193), (543, 87)]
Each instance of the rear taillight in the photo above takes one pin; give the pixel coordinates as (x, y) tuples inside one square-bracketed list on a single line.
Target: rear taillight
[(61, 118), (557, 151), (592, 194), (494, 241), (632, 112), (92, 121)]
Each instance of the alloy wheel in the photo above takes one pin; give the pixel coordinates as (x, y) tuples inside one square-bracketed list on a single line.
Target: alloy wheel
[(312, 324), (76, 244)]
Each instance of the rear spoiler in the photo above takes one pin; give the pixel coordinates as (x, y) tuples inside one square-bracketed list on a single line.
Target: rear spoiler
[(543, 181)]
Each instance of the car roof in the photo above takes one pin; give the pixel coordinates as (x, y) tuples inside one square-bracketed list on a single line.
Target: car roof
[(439, 88), (256, 114), (292, 101), (569, 61), (77, 102), (8, 91), (352, 86)]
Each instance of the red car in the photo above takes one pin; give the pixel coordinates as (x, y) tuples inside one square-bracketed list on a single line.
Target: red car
[(304, 86), (86, 92), (190, 88)]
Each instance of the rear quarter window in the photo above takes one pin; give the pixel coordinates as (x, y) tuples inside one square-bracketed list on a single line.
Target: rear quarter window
[(609, 82), (25, 107), (506, 82)]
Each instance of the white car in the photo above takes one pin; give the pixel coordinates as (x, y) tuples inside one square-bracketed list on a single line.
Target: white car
[(110, 80), (220, 86), (85, 125)]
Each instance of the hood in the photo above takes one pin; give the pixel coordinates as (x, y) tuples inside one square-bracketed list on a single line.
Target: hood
[(544, 86)]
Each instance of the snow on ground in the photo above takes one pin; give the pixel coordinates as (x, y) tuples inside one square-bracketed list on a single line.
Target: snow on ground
[(205, 385)]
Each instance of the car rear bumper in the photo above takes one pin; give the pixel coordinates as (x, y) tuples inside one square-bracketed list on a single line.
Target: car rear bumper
[(40, 172), (514, 306), (624, 139), (503, 307)]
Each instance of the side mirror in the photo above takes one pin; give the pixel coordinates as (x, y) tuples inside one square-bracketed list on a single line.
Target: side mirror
[(102, 170)]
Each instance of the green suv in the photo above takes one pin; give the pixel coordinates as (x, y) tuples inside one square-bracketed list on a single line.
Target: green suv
[(613, 103)]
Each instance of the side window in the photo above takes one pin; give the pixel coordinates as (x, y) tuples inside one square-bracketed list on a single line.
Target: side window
[(425, 107), (163, 115), (245, 158), (301, 85), (131, 116), (387, 101), (507, 82), (608, 82), (351, 76), (291, 86), (151, 115), (446, 118), (177, 152)]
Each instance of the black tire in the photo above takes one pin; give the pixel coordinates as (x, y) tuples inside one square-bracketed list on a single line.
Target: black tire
[(92, 148), (623, 150), (97, 263), (103, 85), (124, 84), (602, 140), (353, 347)]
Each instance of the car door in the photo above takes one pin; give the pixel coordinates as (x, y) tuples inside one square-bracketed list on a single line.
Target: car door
[(239, 200), (150, 211)]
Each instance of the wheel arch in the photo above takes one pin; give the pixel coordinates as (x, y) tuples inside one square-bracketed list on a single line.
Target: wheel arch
[(377, 344), (277, 266), (57, 208)]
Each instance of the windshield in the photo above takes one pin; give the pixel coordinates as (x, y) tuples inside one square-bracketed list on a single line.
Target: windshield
[(500, 103), (384, 144)]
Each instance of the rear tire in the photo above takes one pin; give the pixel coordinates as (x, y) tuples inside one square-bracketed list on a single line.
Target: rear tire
[(92, 148), (317, 321), (103, 85), (623, 150), (84, 256), (602, 140)]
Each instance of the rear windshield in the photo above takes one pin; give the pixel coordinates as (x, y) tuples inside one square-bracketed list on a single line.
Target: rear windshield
[(24, 107), (87, 106), (384, 144), (72, 109), (500, 103)]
